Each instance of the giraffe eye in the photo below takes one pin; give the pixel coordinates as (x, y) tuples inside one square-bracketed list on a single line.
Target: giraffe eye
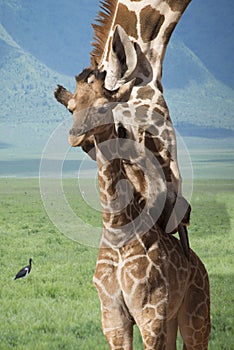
[(103, 109), (122, 132)]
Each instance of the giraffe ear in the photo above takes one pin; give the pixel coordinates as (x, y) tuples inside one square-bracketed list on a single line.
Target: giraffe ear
[(122, 60)]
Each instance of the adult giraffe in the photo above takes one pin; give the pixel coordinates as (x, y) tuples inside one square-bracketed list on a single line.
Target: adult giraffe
[(131, 43)]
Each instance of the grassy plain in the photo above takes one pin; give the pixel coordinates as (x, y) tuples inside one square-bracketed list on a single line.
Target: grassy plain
[(57, 306)]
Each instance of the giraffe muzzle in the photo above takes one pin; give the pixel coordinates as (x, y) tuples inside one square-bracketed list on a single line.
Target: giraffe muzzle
[(75, 137)]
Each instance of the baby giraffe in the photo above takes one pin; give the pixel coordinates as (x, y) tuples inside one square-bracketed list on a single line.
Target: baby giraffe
[(142, 275)]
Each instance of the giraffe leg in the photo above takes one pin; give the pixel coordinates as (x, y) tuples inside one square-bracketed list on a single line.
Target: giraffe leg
[(194, 314), (195, 331), (117, 328), (153, 332), (172, 329), (117, 323)]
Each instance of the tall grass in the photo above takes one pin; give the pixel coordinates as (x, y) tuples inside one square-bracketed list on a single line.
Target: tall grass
[(57, 306)]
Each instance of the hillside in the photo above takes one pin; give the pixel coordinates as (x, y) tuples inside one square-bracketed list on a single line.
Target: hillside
[(207, 29), (56, 35), (199, 99), (29, 112), (59, 33)]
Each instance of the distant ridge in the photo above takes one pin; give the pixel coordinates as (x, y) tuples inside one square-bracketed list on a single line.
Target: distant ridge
[(191, 130), (198, 103), (7, 38), (54, 32)]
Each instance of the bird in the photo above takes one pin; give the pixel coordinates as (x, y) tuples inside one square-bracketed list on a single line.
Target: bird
[(24, 271)]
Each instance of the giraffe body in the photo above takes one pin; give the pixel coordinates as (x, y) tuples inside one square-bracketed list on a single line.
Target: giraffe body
[(149, 282), (142, 276)]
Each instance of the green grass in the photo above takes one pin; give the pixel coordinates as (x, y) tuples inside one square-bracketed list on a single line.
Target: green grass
[(57, 306)]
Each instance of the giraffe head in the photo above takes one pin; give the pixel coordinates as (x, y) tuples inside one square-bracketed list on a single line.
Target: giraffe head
[(91, 106), (92, 102)]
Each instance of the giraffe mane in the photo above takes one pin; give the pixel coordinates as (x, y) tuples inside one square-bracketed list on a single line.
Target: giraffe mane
[(101, 28)]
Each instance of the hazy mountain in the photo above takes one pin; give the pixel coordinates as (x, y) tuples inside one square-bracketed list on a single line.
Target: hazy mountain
[(198, 98), (207, 29), (34, 48), (29, 111), (59, 33)]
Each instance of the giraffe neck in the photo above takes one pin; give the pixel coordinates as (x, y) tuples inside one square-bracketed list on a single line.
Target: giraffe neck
[(148, 23), (127, 210)]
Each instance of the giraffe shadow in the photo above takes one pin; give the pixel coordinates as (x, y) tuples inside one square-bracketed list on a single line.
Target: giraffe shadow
[(209, 216), (221, 287)]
